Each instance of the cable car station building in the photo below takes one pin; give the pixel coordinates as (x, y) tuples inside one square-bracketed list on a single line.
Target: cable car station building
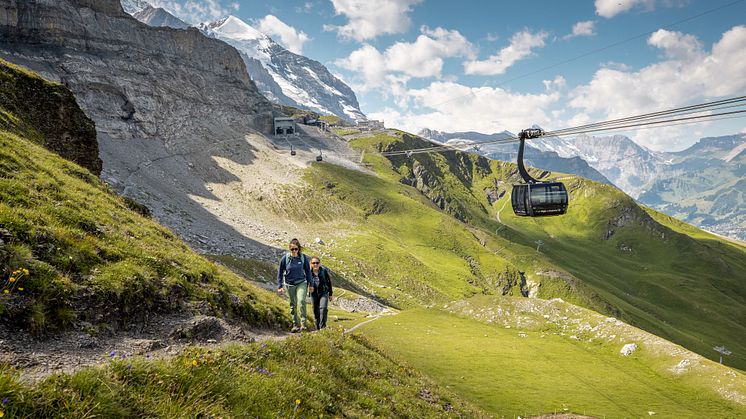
[(284, 125)]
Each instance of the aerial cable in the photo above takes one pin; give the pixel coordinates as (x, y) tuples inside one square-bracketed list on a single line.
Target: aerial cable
[(676, 115), (698, 107)]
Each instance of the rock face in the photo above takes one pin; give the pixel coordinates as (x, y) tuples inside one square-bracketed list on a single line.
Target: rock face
[(168, 103), (133, 80), (62, 126)]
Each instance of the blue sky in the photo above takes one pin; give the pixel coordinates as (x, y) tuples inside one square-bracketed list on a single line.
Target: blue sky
[(467, 65)]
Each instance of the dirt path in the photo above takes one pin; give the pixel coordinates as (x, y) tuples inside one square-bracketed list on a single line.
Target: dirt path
[(163, 337), (507, 199)]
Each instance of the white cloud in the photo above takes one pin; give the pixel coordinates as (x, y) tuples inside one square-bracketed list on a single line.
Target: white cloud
[(686, 74), (285, 34), (195, 11), (521, 45), (369, 65), (611, 8), (584, 28), (369, 18), (448, 106), (404, 60), (424, 56)]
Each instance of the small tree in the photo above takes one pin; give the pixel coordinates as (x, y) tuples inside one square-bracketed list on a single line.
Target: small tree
[(723, 351)]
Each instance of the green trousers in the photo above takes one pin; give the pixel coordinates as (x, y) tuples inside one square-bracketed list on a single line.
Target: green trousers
[(297, 294)]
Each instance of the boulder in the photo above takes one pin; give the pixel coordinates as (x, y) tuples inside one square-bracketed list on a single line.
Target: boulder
[(628, 349)]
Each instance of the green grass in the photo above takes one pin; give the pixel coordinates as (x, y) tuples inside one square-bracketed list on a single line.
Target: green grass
[(85, 248), (331, 375), (530, 371), (673, 280)]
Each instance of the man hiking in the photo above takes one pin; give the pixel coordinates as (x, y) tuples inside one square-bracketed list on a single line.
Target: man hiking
[(294, 274)]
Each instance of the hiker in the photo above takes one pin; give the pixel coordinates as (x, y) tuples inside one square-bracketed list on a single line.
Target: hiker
[(295, 274), (322, 293)]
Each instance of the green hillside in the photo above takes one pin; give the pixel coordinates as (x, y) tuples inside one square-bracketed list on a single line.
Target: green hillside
[(607, 253), (507, 356), (433, 236), (321, 375), (75, 256)]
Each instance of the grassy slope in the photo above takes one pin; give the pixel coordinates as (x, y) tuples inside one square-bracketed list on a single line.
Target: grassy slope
[(91, 258), (406, 252), (536, 368), (328, 373), (87, 255)]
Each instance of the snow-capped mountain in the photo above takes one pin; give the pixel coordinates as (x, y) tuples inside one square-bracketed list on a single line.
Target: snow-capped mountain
[(134, 6), (284, 77), (157, 16)]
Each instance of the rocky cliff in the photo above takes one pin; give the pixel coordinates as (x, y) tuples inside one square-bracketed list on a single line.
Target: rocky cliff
[(57, 122), (166, 102)]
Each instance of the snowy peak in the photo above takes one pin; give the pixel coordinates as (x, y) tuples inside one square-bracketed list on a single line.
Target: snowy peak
[(156, 16), (134, 6), (284, 77), (235, 28)]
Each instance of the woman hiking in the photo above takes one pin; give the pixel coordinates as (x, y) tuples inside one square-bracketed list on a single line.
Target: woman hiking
[(294, 274), (322, 292)]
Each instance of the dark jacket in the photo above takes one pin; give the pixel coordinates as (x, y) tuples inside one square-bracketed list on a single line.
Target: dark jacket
[(294, 270), (324, 284)]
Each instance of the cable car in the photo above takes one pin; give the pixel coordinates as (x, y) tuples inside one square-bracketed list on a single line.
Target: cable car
[(319, 158), (535, 198), (292, 151)]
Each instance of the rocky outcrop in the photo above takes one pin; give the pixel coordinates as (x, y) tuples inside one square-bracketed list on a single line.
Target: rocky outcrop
[(49, 110), (133, 80), (166, 103)]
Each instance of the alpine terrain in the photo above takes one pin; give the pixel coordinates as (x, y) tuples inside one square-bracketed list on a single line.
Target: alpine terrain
[(282, 76), (145, 204)]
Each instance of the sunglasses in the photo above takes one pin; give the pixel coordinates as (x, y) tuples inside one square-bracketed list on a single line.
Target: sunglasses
[(294, 249), (314, 263)]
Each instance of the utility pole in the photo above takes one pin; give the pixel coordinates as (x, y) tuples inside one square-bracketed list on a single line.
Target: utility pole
[(723, 351)]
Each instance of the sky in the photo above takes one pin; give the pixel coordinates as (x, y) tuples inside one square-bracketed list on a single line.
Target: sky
[(490, 66)]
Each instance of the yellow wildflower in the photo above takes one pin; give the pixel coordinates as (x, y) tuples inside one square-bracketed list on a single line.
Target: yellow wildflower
[(2, 413), (20, 288), (25, 271), (194, 362), (6, 291), (297, 401), (12, 279)]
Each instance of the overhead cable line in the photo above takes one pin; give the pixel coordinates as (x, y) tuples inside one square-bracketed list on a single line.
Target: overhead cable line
[(675, 116)]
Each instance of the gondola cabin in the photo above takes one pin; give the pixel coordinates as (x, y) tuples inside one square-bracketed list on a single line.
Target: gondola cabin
[(539, 199), (535, 198)]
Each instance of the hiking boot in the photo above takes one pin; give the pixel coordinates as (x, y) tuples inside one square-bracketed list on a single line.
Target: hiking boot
[(295, 329)]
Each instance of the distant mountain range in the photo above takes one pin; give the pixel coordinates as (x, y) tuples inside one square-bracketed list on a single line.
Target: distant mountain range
[(704, 185), (533, 156), (283, 77)]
